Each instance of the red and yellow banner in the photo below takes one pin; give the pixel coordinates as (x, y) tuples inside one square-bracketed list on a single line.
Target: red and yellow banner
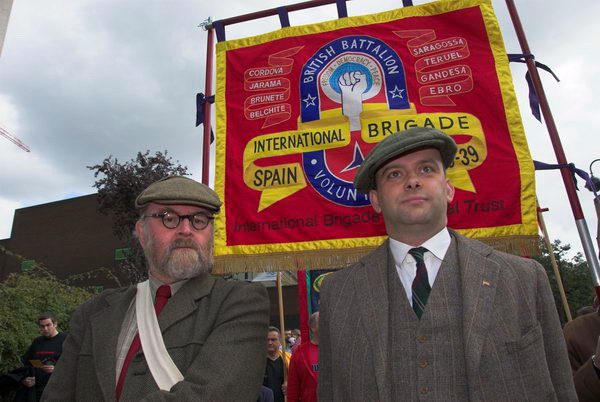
[(298, 110)]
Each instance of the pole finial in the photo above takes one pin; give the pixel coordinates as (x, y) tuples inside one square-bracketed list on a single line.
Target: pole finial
[(206, 24)]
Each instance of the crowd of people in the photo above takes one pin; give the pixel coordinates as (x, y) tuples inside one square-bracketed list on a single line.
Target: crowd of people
[(293, 375), (430, 314)]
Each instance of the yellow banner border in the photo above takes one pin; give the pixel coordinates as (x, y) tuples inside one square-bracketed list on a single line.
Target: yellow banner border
[(334, 244), (517, 132)]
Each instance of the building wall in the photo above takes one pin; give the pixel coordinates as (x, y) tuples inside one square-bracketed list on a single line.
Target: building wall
[(69, 237), (5, 7)]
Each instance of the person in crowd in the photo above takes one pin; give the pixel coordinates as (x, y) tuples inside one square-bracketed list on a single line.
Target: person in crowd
[(43, 353), (304, 366), (277, 364), (297, 337), (435, 315), (182, 334), (266, 395), (289, 340), (583, 344)]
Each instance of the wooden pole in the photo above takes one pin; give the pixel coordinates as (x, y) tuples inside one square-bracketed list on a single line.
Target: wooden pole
[(561, 288), (282, 325)]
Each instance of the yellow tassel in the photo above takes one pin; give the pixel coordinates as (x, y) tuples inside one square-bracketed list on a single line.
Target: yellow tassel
[(525, 246)]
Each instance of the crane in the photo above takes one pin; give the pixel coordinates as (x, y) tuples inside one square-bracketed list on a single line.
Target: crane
[(14, 139)]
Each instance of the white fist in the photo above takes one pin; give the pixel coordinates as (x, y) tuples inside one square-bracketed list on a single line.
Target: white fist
[(353, 83)]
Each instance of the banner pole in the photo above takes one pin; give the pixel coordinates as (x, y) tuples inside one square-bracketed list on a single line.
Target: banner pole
[(207, 106), (561, 288), (282, 324), (597, 206), (582, 228), (274, 11)]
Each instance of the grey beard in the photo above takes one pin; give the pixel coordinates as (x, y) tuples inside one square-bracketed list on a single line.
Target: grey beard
[(180, 264)]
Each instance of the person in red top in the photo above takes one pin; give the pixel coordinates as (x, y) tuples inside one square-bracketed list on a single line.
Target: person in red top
[(304, 366)]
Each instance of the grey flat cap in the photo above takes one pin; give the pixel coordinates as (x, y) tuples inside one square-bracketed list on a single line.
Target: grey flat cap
[(400, 143), (179, 190)]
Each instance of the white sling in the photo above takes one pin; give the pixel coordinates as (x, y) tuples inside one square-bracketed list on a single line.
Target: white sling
[(165, 372)]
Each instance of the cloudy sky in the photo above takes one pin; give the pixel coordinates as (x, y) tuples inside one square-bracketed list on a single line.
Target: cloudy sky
[(84, 79)]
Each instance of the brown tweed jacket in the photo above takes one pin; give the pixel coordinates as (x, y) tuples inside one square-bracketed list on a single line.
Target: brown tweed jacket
[(514, 348), (213, 329)]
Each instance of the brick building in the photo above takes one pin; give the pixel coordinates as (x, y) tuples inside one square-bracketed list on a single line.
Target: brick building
[(68, 237)]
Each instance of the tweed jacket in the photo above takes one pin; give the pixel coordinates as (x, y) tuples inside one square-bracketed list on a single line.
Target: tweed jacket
[(513, 344), (213, 329)]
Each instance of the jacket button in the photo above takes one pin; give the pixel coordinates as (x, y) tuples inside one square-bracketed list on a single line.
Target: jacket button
[(421, 338), (423, 363), (424, 390)]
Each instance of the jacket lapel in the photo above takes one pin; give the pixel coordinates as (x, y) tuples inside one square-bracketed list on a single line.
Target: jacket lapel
[(183, 303), (479, 276), (370, 285), (106, 326)]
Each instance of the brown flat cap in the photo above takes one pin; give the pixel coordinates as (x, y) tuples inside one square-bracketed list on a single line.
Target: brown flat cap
[(179, 190), (400, 143)]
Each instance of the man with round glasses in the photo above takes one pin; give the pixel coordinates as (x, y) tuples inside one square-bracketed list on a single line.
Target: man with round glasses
[(171, 220), (202, 340)]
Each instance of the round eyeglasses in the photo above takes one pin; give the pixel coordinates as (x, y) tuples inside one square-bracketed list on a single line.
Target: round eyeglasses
[(171, 220)]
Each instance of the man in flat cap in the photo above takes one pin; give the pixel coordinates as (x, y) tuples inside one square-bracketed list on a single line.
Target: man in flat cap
[(434, 315), (181, 335)]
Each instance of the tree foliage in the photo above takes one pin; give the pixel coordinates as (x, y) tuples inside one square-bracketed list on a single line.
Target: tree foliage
[(24, 297), (118, 186), (575, 275)]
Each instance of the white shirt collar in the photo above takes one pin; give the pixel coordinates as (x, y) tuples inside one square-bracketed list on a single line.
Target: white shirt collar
[(437, 245)]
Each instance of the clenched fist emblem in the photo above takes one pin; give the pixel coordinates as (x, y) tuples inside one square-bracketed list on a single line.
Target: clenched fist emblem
[(352, 85)]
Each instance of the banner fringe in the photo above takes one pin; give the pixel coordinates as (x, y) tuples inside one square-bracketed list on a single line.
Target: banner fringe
[(525, 246), (289, 260)]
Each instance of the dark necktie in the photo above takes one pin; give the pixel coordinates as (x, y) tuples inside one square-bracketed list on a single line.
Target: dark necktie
[(163, 294), (420, 285)]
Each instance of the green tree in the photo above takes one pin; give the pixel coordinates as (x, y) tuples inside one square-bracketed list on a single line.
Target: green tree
[(118, 186), (24, 297), (575, 274)]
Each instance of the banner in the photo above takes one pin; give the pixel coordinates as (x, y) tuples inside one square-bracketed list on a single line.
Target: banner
[(309, 296), (298, 109)]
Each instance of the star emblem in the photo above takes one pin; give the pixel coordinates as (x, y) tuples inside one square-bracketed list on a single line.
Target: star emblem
[(357, 160), (310, 100), (397, 92)]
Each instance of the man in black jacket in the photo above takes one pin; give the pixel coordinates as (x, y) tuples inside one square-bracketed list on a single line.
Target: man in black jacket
[(43, 353)]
